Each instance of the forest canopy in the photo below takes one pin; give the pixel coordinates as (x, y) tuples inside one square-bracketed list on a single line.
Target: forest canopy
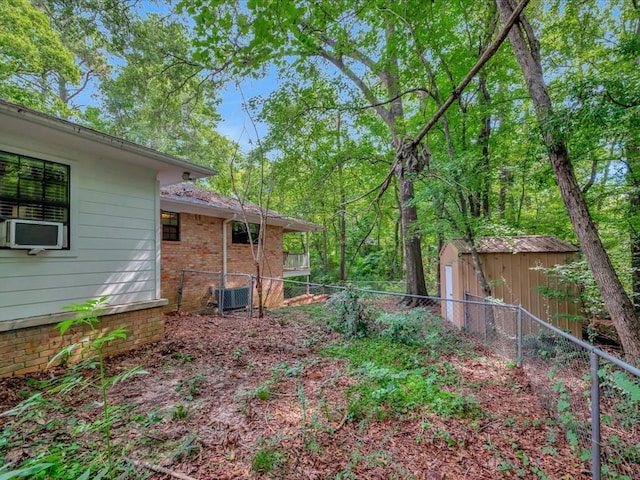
[(337, 137)]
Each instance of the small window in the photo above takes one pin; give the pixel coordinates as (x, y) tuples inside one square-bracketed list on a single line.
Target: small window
[(170, 226), (34, 189), (243, 235)]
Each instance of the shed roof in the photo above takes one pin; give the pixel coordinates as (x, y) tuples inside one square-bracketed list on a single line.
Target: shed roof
[(187, 197), (517, 244)]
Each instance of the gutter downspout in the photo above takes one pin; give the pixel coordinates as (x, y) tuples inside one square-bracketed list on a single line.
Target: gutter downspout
[(224, 249)]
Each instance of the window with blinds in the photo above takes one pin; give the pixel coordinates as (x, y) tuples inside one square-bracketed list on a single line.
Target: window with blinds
[(34, 189)]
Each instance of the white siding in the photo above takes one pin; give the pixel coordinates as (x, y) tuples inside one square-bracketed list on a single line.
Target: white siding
[(113, 238)]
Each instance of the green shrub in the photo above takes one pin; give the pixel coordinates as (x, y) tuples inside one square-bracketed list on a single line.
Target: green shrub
[(393, 380), (351, 316), (404, 327)]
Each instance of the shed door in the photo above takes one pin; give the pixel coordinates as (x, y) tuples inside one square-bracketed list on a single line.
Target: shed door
[(448, 290)]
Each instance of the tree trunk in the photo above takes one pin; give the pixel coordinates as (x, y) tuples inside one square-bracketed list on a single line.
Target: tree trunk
[(343, 237), (410, 161), (398, 249), (505, 179), (617, 302), (412, 248), (343, 207), (633, 183), (483, 139)]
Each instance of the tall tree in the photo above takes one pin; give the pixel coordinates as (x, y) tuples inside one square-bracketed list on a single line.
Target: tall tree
[(89, 29), (322, 169), (31, 52), (159, 98), (527, 51), (602, 92), (363, 41)]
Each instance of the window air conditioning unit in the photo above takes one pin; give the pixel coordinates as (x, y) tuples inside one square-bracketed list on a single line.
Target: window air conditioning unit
[(31, 234)]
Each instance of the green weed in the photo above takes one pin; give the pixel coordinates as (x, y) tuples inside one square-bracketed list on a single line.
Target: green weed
[(266, 459), (95, 456), (182, 357), (180, 412), (191, 386), (187, 448), (404, 327), (393, 381)]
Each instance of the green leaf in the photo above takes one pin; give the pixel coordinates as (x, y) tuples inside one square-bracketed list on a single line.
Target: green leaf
[(65, 325), (86, 475), (66, 352), (572, 438), (24, 405), (26, 472), (122, 376), (625, 384), (563, 405)]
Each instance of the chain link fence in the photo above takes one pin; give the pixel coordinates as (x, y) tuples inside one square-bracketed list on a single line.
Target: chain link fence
[(592, 394)]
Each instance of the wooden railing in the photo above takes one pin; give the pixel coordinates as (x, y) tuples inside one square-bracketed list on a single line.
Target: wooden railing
[(296, 261)]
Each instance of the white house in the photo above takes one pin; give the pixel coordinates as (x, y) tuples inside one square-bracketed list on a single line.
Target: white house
[(91, 202)]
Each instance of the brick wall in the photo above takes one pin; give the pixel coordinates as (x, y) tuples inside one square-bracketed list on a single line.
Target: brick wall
[(200, 249), (30, 349)]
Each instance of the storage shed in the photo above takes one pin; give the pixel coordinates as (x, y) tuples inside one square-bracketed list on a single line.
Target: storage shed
[(509, 267)]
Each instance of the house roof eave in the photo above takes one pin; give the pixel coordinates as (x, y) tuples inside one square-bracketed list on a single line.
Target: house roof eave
[(169, 169), (202, 207), (515, 244)]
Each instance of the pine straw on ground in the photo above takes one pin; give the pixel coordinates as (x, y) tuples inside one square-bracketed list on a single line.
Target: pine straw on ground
[(212, 369)]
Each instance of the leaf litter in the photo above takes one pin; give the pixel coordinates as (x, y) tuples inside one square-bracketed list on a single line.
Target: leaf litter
[(250, 398)]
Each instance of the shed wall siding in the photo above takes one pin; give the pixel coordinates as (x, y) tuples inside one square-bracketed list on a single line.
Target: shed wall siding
[(449, 257), (112, 238), (515, 282), (512, 281)]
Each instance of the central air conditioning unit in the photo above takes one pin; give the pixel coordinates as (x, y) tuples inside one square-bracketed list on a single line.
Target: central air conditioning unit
[(232, 298), (31, 234)]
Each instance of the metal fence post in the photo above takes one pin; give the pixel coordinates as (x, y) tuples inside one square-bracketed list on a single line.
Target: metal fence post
[(465, 312), (485, 327), (595, 416), (519, 337), (250, 305), (180, 289)]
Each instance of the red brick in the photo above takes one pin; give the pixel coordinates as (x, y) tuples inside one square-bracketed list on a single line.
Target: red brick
[(28, 350)]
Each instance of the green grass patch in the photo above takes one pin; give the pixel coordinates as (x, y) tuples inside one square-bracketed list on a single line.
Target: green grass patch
[(381, 351), (267, 459), (393, 380)]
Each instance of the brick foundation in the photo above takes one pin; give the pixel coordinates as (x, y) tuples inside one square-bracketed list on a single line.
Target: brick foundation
[(30, 349)]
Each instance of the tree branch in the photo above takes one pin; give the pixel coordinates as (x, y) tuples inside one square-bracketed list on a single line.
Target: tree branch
[(340, 65), (489, 52)]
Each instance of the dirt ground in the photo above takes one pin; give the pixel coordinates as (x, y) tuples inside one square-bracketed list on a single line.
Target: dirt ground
[(213, 405)]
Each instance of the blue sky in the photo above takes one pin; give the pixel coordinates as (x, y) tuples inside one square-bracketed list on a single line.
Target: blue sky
[(236, 124)]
